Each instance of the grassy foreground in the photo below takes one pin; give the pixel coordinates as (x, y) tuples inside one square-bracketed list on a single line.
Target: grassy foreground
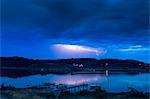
[(98, 93)]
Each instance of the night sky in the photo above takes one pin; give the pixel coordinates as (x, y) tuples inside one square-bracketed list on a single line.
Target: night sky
[(55, 29)]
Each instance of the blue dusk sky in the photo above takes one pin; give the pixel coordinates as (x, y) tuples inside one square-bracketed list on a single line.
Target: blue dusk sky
[(56, 29)]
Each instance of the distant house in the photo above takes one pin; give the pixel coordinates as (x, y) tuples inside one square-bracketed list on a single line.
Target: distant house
[(77, 65), (81, 65)]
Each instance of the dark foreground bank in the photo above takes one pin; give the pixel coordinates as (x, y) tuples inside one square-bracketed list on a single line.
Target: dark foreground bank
[(37, 93)]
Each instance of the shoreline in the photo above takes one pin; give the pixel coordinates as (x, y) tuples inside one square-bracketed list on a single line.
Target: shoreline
[(88, 92), (74, 73)]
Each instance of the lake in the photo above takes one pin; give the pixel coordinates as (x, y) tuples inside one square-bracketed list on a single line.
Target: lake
[(111, 83)]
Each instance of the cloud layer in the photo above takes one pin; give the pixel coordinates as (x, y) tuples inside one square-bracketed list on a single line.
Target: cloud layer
[(135, 48), (31, 26), (109, 20), (79, 49)]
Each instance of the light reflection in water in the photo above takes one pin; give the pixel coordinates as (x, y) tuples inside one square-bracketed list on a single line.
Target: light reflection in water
[(106, 72), (74, 81), (77, 79)]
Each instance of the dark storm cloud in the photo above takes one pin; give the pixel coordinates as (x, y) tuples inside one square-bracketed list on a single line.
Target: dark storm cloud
[(109, 20), (30, 27)]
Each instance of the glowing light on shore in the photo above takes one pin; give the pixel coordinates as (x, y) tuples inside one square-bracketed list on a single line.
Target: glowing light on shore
[(79, 48)]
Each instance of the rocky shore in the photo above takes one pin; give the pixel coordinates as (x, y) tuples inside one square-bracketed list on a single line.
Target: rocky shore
[(44, 93)]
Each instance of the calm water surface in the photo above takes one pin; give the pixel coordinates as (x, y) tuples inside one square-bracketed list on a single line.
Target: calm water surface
[(111, 83)]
